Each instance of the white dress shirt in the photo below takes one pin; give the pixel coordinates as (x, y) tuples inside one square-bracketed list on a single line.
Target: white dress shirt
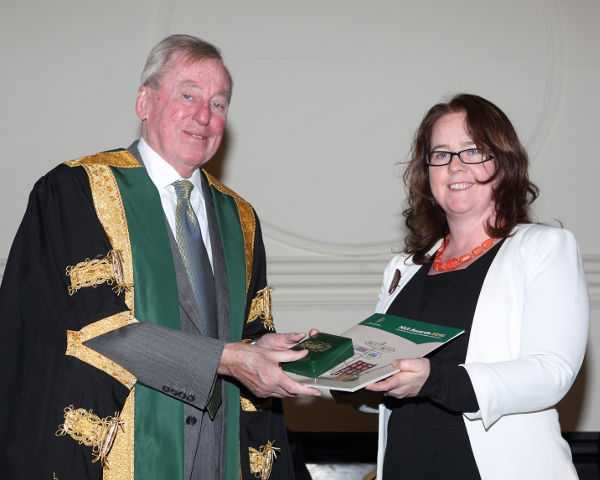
[(163, 175)]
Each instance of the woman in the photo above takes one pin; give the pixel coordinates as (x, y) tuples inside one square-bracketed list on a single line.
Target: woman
[(482, 405)]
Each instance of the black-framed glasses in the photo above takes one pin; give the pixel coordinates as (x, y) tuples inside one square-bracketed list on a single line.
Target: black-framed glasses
[(468, 156)]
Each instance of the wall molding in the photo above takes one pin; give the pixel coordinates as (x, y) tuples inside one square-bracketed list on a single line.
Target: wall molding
[(312, 244), (539, 134), (329, 282), (554, 75), (333, 282), (326, 282), (550, 90)]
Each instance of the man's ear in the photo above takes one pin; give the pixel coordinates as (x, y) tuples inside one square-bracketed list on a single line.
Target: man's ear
[(141, 104)]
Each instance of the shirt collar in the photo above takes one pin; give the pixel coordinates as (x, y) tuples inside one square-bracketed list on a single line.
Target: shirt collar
[(161, 173)]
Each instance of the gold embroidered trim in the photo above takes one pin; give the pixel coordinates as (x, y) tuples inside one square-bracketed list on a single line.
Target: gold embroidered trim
[(111, 213), (121, 457), (261, 308), (122, 159), (87, 428), (94, 272), (75, 347), (261, 461), (247, 405), (249, 230), (247, 220)]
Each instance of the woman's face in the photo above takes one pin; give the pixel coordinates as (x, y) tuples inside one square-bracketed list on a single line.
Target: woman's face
[(455, 186)]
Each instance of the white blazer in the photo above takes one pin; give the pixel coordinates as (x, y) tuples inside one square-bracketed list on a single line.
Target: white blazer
[(527, 344)]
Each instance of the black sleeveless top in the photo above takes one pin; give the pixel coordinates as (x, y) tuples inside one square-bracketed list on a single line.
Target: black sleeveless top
[(427, 437)]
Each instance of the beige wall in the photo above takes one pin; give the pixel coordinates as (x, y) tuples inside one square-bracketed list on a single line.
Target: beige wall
[(327, 96)]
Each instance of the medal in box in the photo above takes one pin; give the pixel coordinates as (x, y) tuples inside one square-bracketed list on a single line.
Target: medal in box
[(325, 351)]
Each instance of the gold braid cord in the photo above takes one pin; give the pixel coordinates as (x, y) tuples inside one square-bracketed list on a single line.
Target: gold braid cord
[(91, 273), (261, 461), (92, 431), (261, 308)]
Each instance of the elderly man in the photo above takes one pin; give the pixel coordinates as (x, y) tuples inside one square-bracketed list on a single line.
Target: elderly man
[(134, 305)]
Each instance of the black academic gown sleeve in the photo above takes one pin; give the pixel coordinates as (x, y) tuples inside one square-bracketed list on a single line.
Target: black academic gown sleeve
[(39, 381)]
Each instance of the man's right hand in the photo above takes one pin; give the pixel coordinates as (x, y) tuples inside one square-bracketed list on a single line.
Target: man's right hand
[(258, 367)]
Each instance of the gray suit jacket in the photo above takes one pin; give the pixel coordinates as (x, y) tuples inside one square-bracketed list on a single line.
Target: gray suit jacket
[(182, 363)]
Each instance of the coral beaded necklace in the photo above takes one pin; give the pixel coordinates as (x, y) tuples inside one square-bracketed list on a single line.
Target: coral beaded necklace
[(453, 263)]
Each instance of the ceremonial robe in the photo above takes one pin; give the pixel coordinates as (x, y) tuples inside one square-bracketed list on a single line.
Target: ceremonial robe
[(92, 256)]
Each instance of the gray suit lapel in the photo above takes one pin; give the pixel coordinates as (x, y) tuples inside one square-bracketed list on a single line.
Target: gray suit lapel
[(136, 153)]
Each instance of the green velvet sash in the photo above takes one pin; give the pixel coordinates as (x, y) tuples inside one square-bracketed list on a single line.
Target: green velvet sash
[(159, 418)]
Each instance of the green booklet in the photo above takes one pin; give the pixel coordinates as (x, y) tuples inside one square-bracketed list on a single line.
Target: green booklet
[(377, 342)]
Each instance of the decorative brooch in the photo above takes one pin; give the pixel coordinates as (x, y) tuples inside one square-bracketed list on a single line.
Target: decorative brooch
[(91, 273), (261, 461), (261, 308), (91, 430)]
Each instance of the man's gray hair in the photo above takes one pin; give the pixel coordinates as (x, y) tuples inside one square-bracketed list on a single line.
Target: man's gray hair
[(192, 49)]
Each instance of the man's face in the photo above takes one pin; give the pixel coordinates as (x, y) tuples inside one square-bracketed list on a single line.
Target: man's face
[(184, 118)]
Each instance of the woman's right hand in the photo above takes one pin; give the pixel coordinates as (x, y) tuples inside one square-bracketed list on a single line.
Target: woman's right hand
[(407, 382)]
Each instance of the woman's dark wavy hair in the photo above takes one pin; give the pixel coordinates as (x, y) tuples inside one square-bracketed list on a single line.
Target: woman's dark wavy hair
[(513, 194)]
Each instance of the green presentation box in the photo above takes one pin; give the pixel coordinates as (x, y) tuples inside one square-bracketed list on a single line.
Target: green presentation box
[(325, 351)]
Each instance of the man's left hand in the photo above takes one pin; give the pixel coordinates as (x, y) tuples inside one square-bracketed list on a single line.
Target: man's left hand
[(282, 341), (258, 366)]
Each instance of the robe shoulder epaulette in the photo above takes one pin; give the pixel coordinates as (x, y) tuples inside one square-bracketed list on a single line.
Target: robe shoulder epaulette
[(113, 158)]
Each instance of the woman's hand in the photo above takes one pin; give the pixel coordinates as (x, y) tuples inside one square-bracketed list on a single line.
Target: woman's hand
[(407, 382)]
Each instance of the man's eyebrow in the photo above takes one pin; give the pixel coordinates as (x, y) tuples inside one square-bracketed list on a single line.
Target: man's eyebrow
[(191, 84), (225, 93)]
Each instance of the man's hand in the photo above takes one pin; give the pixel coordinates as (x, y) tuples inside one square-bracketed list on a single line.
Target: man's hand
[(258, 366), (282, 341), (407, 382)]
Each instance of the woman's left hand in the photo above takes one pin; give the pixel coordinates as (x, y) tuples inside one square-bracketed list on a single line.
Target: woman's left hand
[(407, 382)]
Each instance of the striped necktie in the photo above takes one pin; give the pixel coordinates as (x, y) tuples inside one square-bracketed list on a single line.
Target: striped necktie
[(197, 264)]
